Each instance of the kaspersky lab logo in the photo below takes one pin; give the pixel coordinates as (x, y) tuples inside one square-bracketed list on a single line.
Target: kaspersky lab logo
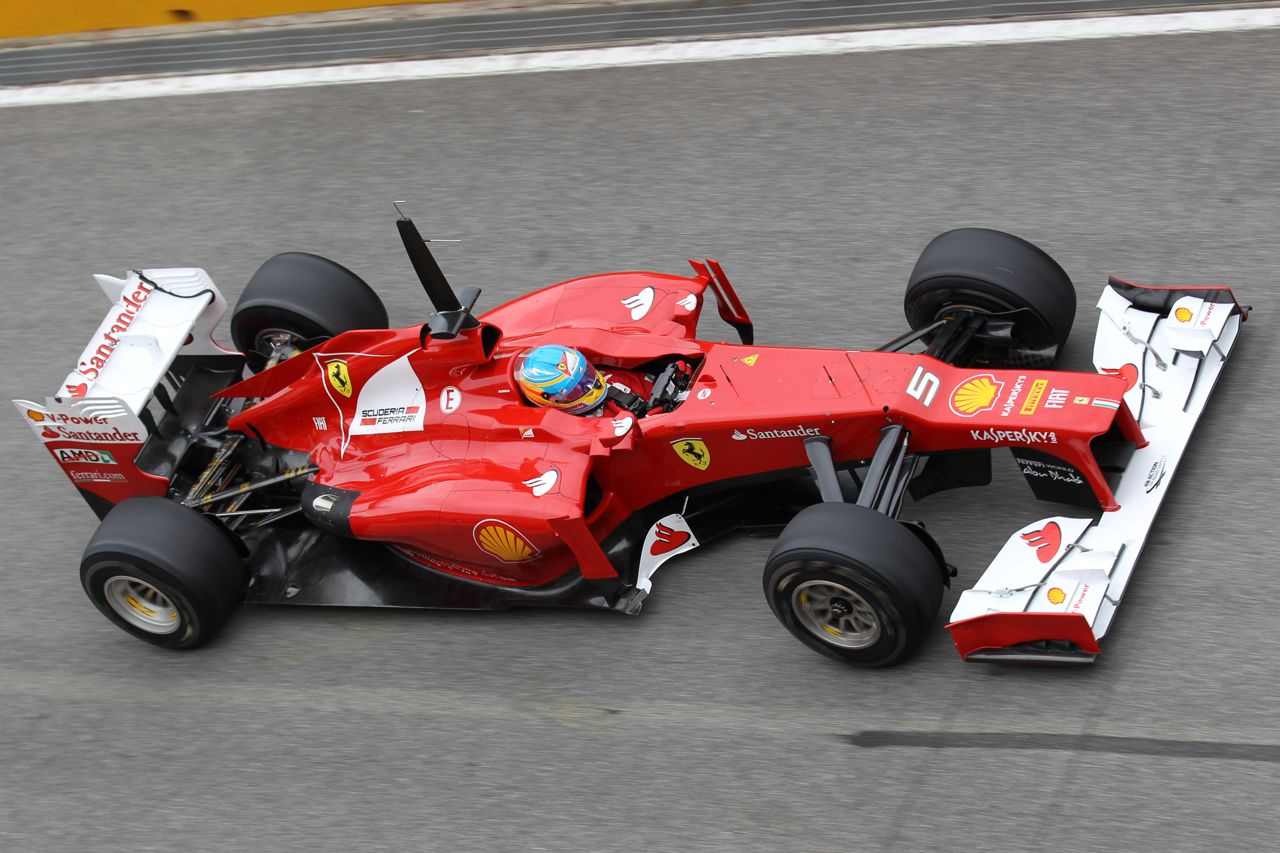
[(756, 434)]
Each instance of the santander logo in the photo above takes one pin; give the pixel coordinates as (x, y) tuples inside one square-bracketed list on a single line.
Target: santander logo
[(95, 357), (1127, 372), (667, 540), (640, 303), (1047, 540)]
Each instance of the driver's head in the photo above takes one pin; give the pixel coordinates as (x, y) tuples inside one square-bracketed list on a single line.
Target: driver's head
[(560, 378)]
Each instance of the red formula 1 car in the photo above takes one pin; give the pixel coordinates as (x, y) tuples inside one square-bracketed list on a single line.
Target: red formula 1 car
[(361, 465)]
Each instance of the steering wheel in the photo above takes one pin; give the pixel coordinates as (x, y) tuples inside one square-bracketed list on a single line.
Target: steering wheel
[(661, 387)]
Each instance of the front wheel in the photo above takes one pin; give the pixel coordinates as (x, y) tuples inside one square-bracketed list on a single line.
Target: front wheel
[(985, 272), (163, 572), (853, 584)]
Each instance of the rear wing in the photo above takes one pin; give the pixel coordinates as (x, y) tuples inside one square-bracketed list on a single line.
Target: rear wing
[(97, 422), (1053, 590)]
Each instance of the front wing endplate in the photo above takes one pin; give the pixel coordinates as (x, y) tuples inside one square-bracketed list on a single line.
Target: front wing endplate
[(1052, 591)]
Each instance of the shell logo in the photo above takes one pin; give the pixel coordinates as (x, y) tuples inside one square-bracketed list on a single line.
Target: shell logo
[(1182, 315), (976, 394), (1056, 595), (501, 540), (34, 415)]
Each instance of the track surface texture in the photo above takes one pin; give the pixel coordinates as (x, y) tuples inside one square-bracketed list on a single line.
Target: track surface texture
[(700, 724), (453, 30)]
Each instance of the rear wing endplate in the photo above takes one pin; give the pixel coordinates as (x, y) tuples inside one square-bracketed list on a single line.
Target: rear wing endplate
[(96, 423)]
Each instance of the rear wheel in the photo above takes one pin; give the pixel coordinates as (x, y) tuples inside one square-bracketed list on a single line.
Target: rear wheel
[(163, 572), (295, 298), (853, 584), (980, 271)]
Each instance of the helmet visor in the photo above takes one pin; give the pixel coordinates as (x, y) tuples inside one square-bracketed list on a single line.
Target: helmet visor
[(583, 396)]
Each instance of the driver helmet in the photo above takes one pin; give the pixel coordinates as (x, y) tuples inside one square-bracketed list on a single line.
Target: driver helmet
[(560, 378)]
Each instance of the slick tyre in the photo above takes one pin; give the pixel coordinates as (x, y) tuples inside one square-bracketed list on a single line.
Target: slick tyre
[(853, 584), (304, 297), (163, 572), (991, 272)]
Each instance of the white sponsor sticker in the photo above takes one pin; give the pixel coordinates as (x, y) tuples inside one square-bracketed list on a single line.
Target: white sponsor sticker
[(93, 420), (391, 400), (543, 483), (450, 399), (1051, 471), (1014, 436), (97, 476), (640, 303), (753, 434)]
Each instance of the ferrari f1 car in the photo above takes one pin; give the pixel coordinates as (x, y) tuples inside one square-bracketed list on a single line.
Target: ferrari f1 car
[(329, 459)]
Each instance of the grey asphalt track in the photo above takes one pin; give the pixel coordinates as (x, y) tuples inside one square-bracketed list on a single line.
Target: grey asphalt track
[(699, 725), (456, 29)]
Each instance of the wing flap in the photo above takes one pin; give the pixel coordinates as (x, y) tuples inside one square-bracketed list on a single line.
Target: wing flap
[(1170, 344)]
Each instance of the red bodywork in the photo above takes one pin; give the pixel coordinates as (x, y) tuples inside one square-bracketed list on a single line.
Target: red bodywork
[(461, 485)]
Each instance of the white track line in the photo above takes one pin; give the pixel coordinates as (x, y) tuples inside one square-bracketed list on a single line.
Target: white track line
[(819, 44)]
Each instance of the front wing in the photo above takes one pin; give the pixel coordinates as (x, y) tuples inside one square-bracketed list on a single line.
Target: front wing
[(1052, 591)]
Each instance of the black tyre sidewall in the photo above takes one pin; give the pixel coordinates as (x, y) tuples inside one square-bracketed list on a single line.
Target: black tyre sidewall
[(175, 549), (897, 574), (306, 294), (995, 272), (900, 630)]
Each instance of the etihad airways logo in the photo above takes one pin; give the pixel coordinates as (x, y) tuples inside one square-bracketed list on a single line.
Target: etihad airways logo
[(757, 434)]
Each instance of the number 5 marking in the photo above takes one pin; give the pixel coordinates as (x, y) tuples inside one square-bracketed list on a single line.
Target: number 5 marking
[(923, 386)]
